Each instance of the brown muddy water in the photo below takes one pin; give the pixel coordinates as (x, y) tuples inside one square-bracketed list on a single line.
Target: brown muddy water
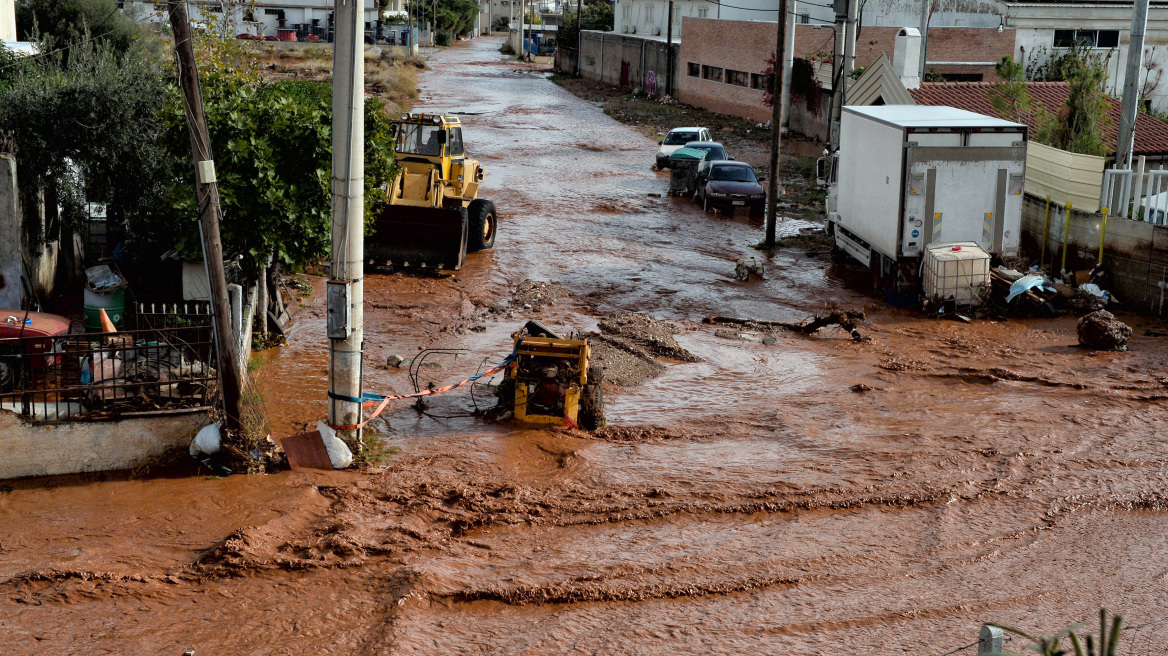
[(815, 496)]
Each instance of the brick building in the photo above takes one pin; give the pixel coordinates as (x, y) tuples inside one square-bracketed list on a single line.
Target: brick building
[(722, 62)]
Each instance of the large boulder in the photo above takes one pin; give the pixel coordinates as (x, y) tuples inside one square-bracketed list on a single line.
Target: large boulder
[(1101, 330)]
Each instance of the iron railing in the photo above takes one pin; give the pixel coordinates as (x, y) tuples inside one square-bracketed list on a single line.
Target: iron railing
[(90, 377), (158, 316)]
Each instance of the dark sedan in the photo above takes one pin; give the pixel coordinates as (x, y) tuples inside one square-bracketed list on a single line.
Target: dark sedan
[(730, 185)]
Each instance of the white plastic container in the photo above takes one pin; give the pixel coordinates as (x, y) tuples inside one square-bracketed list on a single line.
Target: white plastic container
[(955, 271)]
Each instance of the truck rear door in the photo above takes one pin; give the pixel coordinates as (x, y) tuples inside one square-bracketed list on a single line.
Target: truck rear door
[(957, 189)]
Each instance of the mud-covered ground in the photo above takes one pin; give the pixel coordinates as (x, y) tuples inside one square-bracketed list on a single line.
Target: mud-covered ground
[(817, 495)]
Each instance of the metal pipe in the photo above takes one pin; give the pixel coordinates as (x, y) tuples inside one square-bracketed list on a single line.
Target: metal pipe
[(1045, 233), (348, 210), (1102, 235), (1066, 236)]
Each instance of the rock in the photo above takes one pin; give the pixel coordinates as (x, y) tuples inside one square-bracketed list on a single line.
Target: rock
[(747, 266), (769, 341), (726, 333), (1101, 330), (394, 361), (479, 328)]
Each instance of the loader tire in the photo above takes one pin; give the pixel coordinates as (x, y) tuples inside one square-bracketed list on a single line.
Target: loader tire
[(483, 225), (591, 414)]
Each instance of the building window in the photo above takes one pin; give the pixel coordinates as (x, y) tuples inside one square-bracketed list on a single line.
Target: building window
[(805, 18), (627, 12), (1086, 38), (703, 12), (648, 13), (737, 78), (758, 81), (712, 73), (695, 69)]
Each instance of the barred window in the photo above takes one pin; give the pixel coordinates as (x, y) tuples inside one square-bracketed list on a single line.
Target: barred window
[(758, 81), (712, 73), (737, 78)]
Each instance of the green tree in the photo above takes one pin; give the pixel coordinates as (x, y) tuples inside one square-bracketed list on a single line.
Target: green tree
[(596, 16), (1079, 125), (86, 127), (272, 146), (68, 20), (1010, 95)]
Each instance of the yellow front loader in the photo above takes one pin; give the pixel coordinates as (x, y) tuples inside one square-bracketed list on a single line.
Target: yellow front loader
[(434, 215)]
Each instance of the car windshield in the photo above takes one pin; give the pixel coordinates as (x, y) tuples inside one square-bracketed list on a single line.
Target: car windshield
[(733, 174), (676, 138), (416, 139), (713, 153)]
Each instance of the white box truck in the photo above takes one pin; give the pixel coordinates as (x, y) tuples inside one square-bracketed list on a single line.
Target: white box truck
[(907, 176)]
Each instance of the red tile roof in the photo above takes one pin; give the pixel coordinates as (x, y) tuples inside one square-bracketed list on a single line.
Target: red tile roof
[(1151, 134)]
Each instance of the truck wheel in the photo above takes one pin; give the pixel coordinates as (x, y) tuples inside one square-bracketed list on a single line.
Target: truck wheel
[(591, 413), (483, 225)]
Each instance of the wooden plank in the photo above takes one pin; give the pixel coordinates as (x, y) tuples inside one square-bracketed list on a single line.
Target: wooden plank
[(306, 451)]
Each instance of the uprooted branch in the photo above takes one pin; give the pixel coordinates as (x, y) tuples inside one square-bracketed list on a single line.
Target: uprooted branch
[(846, 319)]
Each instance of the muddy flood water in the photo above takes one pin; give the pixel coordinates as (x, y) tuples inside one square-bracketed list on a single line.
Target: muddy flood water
[(814, 496)]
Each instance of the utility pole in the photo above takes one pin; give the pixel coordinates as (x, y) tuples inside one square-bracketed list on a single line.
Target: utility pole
[(1131, 86), (837, 71), (776, 111), (850, 44), (522, 20), (345, 323), (580, 35), (410, 18), (207, 191), (669, 52), (926, 14), (788, 62)]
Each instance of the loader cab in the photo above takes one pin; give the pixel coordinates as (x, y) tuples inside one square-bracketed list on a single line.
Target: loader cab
[(425, 140)]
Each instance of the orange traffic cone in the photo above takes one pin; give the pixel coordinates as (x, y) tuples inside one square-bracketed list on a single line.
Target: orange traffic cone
[(107, 326)]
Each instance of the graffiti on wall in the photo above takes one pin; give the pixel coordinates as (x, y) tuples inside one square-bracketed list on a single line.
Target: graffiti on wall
[(651, 83), (625, 74)]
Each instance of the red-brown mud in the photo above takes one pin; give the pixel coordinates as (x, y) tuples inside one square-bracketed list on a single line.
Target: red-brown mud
[(746, 499)]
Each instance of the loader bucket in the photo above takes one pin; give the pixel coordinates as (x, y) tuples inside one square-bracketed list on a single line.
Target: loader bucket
[(405, 236)]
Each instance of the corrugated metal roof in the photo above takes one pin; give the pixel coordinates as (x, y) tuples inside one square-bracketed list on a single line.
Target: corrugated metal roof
[(1151, 134)]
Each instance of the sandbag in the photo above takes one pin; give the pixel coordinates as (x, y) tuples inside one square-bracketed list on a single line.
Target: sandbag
[(339, 453), (206, 441)]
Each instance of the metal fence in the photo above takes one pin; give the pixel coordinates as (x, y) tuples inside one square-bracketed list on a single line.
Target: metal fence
[(1139, 199), (158, 316), (89, 377)]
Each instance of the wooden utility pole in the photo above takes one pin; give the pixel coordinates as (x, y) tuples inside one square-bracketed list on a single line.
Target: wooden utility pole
[(776, 123), (207, 191)]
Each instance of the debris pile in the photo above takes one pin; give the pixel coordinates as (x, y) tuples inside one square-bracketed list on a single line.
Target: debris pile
[(849, 320), (629, 344), (1101, 330), (535, 294)]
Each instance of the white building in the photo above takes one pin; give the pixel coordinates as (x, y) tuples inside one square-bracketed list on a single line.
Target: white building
[(266, 17), (649, 17)]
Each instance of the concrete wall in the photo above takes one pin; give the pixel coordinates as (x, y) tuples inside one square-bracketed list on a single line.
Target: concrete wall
[(7, 20), (11, 290), (46, 449), (628, 61), (1135, 252)]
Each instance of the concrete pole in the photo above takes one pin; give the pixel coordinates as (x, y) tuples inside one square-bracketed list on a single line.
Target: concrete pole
[(788, 63), (580, 40), (1131, 85), (776, 107), (837, 74), (348, 230), (850, 43), (926, 13)]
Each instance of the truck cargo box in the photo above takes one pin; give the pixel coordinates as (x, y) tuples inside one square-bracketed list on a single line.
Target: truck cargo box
[(907, 176)]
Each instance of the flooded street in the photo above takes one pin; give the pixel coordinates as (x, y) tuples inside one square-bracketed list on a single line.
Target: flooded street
[(815, 496)]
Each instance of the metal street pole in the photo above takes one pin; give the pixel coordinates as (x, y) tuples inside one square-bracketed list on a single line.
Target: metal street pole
[(345, 321), (788, 63), (1131, 85), (207, 191), (669, 52), (926, 13), (850, 44), (776, 110)]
